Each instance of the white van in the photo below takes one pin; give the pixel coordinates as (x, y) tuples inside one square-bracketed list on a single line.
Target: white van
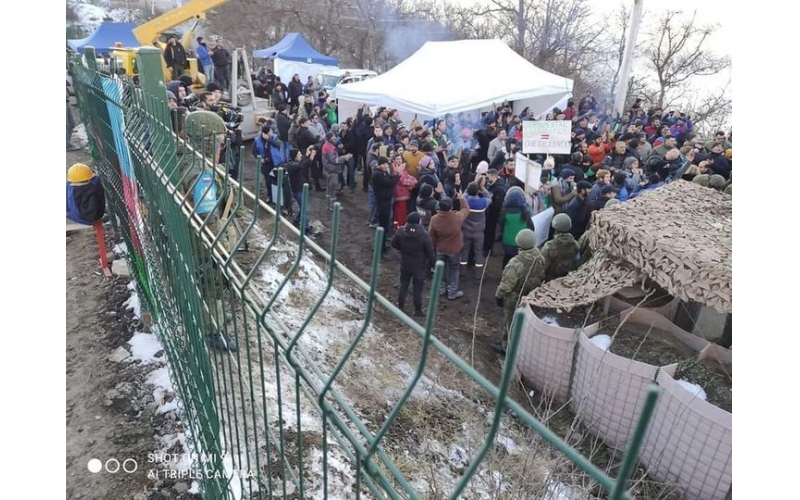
[(329, 80)]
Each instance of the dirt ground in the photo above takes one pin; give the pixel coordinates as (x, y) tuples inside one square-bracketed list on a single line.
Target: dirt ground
[(455, 321), (110, 410)]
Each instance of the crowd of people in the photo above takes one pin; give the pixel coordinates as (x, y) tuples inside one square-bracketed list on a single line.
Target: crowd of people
[(446, 189)]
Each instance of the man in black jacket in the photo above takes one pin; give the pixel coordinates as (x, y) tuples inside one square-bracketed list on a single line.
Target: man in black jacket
[(298, 175), (383, 183), (222, 66), (498, 189), (416, 258), (284, 123), (295, 91), (306, 138), (175, 57), (349, 144), (578, 209)]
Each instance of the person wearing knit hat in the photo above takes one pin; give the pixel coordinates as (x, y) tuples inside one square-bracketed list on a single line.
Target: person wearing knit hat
[(417, 257), (563, 190), (447, 238), (515, 217), (524, 272), (426, 204), (559, 253)]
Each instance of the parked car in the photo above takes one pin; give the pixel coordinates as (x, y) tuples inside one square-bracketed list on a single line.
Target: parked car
[(329, 80)]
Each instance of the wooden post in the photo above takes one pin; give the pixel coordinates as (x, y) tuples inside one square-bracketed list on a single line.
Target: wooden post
[(621, 91)]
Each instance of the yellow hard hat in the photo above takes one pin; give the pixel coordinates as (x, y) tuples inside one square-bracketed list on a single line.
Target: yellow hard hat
[(79, 173)]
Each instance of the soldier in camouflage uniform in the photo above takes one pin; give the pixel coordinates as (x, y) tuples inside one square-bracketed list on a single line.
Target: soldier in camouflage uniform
[(559, 253), (205, 132), (702, 179), (523, 273), (717, 182)]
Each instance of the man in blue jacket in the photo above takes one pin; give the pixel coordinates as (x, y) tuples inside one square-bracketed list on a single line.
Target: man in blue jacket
[(204, 58)]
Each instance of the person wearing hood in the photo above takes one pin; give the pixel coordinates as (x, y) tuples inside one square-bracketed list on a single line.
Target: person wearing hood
[(515, 217), (474, 226), (521, 276), (417, 257), (563, 191), (402, 191), (204, 58)]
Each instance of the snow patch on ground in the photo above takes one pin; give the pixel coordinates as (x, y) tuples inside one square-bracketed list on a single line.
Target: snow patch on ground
[(695, 389), (144, 347), (602, 341), (121, 249), (425, 386), (339, 317), (133, 304), (560, 491), (550, 320), (163, 394)]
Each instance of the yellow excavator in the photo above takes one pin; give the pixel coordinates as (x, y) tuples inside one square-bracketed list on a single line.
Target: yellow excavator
[(148, 34)]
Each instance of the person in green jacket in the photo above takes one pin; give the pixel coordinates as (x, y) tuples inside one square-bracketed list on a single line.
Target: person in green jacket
[(515, 216), (524, 272), (330, 112)]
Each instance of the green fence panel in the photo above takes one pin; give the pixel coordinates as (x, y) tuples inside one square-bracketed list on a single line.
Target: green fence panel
[(243, 401)]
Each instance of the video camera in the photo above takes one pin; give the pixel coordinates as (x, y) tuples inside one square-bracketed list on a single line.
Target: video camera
[(232, 116)]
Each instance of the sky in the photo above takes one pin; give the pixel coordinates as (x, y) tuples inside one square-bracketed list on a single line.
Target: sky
[(708, 12)]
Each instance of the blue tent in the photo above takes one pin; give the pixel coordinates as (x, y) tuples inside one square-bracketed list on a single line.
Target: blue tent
[(294, 47), (105, 36)]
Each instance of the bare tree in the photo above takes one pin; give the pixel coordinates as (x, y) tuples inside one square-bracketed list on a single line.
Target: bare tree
[(676, 51), (711, 112)]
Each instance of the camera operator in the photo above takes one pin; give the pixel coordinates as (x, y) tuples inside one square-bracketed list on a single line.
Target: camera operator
[(306, 138)]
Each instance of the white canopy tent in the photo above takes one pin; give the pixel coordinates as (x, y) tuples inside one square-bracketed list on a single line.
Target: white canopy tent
[(455, 77)]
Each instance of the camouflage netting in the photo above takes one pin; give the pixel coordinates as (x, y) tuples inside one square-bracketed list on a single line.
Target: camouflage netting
[(679, 235), (598, 278)]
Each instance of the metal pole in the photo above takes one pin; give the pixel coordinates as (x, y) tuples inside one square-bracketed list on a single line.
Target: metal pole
[(627, 59)]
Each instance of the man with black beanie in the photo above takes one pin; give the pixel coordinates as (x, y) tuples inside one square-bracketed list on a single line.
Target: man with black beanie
[(383, 183), (416, 258)]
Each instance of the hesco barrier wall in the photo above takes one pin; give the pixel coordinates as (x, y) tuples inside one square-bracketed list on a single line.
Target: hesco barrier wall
[(545, 355), (251, 413), (689, 442)]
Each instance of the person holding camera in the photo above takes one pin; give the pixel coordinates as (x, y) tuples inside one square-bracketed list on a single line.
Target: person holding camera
[(448, 239), (332, 165), (298, 176), (383, 183)]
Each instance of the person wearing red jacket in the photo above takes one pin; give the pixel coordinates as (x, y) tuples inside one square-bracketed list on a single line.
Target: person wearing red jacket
[(402, 191), (600, 148)]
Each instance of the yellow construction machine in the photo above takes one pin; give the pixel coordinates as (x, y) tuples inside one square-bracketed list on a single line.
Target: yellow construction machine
[(149, 34)]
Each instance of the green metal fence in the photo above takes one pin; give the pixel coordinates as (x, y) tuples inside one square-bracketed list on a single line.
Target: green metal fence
[(247, 409)]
